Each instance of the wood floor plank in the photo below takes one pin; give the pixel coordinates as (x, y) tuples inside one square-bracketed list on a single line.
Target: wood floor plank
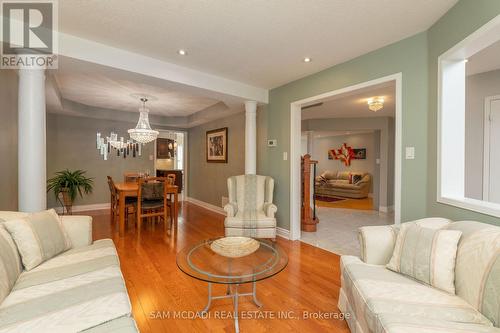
[(310, 283)]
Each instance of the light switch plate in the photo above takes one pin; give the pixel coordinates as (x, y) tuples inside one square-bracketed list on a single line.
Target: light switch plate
[(285, 156), (410, 153), (377, 161)]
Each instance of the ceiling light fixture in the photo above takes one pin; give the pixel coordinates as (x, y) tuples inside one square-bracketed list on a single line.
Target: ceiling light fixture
[(375, 104), (142, 132), (182, 52), (307, 59)]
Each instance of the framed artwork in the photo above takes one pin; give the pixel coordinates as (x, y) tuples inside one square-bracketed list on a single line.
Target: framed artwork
[(345, 154), (217, 145), (165, 148), (359, 153)]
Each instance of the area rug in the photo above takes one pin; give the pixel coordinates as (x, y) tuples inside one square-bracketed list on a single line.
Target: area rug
[(328, 199)]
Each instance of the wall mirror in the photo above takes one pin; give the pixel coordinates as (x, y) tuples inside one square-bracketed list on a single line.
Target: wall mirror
[(469, 122)]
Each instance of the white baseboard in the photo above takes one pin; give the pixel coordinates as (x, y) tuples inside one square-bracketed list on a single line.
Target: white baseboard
[(206, 205), (386, 209), (85, 208), (283, 233)]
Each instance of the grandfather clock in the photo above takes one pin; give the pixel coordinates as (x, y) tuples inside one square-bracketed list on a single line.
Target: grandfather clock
[(308, 213)]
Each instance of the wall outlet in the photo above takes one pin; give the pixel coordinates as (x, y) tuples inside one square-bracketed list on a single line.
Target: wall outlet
[(272, 143), (377, 161), (410, 153), (285, 156)]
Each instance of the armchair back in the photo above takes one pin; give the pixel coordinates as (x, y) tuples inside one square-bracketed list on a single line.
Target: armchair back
[(250, 192)]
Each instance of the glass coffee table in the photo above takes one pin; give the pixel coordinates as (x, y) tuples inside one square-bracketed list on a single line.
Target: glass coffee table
[(201, 262)]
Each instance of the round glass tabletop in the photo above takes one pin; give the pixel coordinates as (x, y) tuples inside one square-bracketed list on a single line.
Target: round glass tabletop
[(201, 262)]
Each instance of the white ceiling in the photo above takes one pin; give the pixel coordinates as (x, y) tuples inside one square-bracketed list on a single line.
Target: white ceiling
[(327, 134), (104, 92), (85, 89), (354, 104), (485, 60), (260, 42)]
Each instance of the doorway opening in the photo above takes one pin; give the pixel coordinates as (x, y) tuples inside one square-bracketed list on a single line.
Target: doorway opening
[(171, 158), (354, 134)]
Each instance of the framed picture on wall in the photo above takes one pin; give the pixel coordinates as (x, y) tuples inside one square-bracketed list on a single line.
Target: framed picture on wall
[(217, 145), (359, 153)]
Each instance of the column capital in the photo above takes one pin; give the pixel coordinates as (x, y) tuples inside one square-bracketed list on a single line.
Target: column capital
[(251, 106)]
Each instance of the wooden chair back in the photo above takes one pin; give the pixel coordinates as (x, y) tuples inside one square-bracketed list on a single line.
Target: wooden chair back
[(171, 179), (131, 177)]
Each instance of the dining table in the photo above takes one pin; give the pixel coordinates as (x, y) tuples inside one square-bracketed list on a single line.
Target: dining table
[(131, 189)]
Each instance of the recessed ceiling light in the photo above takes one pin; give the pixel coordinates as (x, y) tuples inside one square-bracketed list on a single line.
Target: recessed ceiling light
[(307, 59), (182, 52)]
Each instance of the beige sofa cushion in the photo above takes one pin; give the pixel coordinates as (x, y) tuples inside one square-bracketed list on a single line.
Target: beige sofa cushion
[(38, 237), (77, 290), (373, 291), (10, 263), (329, 175), (427, 255), (478, 267)]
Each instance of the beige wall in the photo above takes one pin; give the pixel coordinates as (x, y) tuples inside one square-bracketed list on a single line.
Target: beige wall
[(478, 87), (8, 139), (207, 181), (71, 145)]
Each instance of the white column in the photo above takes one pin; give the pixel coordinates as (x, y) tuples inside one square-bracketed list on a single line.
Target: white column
[(250, 137), (32, 172)]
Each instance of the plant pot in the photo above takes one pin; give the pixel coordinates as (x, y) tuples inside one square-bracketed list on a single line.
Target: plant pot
[(66, 200)]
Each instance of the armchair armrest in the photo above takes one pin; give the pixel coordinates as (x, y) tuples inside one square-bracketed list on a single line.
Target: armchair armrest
[(79, 229), (270, 209), (231, 209), (377, 243)]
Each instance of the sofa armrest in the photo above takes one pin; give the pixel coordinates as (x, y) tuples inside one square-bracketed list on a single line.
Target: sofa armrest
[(78, 228), (231, 209), (377, 243), (270, 209)]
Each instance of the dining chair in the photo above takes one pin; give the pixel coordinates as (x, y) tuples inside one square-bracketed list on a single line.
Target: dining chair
[(129, 202), (152, 200), (131, 177), (171, 178)]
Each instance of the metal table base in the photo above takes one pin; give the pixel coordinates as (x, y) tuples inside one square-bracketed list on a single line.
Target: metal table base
[(234, 294)]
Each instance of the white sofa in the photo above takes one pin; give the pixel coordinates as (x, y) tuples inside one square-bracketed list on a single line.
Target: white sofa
[(377, 300), (79, 290)]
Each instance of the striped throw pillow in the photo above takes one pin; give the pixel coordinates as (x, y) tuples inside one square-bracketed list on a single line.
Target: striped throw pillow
[(38, 237), (427, 255)]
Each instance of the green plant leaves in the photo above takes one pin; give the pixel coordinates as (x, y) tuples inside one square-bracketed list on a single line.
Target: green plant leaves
[(74, 181)]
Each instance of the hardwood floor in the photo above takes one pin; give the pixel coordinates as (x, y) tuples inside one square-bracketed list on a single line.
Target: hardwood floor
[(362, 204), (310, 283)]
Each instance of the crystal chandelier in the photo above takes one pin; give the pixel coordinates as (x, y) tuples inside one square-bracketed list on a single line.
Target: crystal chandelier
[(375, 104), (142, 132), (122, 147)]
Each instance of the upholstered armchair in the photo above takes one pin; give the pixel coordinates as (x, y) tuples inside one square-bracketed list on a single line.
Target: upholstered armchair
[(250, 211)]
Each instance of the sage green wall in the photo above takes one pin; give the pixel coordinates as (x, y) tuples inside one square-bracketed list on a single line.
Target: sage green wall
[(462, 20), (208, 181), (71, 145), (8, 139), (408, 56)]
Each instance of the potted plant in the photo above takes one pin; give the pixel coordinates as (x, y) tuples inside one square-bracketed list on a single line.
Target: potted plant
[(67, 184)]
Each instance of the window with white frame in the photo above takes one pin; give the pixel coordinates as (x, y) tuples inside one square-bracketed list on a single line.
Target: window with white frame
[(469, 122)]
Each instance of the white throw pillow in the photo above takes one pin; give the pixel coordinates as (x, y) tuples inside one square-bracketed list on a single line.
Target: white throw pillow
[(39, 237), (427, 255)]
